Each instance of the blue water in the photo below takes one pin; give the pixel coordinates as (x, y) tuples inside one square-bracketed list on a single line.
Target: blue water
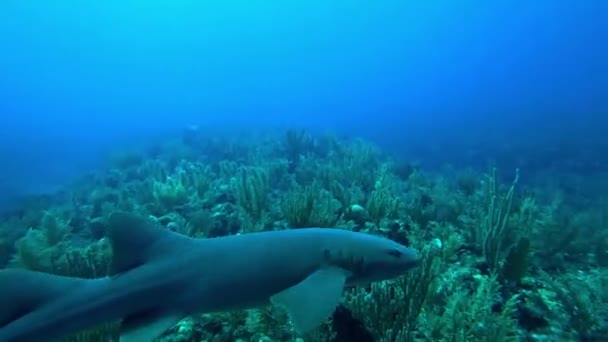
[(432, 79)]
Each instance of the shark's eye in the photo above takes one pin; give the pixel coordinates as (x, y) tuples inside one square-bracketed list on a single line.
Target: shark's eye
[(395, 253)]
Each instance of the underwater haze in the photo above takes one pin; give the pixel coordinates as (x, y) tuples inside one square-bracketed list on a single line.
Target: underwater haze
[(80, 76), (188, 145)]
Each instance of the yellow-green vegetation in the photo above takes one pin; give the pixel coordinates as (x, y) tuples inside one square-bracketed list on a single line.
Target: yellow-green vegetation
[(310, 206), (48, 249), (501, 260), (381, 202), (170, 193), (251, 186), (430, 304)]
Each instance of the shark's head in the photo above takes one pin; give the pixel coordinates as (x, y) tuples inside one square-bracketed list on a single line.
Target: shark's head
[(370, 258)]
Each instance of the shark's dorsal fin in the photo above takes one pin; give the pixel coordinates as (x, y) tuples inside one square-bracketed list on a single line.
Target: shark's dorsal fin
[(136, 241)]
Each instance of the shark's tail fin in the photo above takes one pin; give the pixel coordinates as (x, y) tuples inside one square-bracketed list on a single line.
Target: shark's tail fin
[(22, 292)]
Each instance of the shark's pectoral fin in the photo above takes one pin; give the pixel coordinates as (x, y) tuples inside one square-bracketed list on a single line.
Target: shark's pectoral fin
[(313, 300), (147, 326)]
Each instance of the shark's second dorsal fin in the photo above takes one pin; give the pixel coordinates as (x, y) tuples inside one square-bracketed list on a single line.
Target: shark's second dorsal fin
[(136, 240)]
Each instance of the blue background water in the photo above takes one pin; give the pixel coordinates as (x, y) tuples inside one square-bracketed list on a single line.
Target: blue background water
[(433, 78)]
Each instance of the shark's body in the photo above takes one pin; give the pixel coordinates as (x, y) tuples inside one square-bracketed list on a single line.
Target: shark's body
[(161, 277)]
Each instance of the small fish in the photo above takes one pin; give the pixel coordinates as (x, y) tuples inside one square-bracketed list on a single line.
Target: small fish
[(159, 277)]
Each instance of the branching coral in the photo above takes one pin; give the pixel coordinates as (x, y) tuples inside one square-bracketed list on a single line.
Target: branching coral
[(310, 206), (391, 309), (170, 193), (251, 187), (483, 243)]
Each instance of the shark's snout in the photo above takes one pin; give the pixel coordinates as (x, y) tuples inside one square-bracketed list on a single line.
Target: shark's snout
[(383, 259), (404, 259), (411, 257)]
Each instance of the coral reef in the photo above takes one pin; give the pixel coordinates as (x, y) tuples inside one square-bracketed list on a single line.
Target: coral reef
[(500, 261)]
